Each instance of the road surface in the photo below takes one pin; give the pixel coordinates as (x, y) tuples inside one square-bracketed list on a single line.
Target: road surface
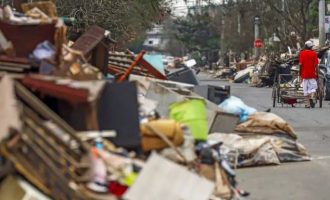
[(290, 181)]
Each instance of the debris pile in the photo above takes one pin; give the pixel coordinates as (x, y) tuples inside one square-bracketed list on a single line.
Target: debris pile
[(261, 138), (265, 71), (84, 122)]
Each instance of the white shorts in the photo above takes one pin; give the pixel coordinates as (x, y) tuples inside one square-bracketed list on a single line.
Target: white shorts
[(309, 86)]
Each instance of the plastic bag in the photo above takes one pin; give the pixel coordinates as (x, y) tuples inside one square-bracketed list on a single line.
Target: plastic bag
[(236, 106), (44, 50)]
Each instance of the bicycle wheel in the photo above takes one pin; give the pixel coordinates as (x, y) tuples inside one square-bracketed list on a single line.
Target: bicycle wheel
[(320, 97), (320, 92), (274, 95)]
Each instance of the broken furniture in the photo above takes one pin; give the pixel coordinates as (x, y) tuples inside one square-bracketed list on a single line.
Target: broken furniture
[(183, 75), (123, 64), (47, 7), (46, 150), (224, 123), (72, 100), (24, 39), (95, 45), (92, 105), (118, 110), (14, 65), (215, 94)]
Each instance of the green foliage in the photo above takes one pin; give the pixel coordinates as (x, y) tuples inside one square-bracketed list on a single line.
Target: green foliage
[(126, 19), (197, 32), (137, 44), (298, 16)]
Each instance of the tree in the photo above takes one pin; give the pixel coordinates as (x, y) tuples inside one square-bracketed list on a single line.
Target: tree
[(197, 33), (298, 16), (235, 20), (125, 19), (295, 20)]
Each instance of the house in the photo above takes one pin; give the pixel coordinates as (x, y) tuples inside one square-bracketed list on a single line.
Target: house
[(156, 39)]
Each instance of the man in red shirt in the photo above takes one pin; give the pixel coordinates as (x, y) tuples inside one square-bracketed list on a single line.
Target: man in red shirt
[(308, 62)]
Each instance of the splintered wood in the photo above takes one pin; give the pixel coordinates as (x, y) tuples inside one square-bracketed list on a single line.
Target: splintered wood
[(46, 7), (6, 45)]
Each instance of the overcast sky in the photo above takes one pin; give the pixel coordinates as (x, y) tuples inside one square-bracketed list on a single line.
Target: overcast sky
[(180, 7)]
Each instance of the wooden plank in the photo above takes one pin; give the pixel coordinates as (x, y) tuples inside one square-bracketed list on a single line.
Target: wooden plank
[(16, 60), (6, 45), (48, 7), (122, 59), (39, 107), (95, 47), (15, 65), (9, 111), (89, 40), (11, 69), (75, 96)]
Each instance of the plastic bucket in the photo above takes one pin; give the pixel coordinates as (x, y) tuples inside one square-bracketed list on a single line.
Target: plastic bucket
[(192, 113)]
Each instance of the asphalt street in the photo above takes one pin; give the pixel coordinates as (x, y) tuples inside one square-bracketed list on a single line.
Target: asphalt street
[(290, 181)]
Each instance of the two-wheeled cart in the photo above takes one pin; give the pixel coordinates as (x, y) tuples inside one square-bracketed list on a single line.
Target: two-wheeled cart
[(291, 92)]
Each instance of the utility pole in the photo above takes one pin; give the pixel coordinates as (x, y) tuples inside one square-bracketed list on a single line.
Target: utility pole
[(256, 35), (321, 22), (239, 24), (222, 32), (283, 10), (198, 6)]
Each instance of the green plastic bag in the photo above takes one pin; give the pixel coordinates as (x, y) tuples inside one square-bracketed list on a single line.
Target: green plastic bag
[(192, 113)]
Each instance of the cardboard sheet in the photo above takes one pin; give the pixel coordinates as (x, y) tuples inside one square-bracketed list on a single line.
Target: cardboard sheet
[(162, 179)]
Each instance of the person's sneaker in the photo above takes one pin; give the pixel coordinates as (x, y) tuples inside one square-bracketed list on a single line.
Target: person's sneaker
[(268, 110), (307, 102), (312, 103)]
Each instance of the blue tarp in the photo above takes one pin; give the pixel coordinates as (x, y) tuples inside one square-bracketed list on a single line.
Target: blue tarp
[(156, 61)]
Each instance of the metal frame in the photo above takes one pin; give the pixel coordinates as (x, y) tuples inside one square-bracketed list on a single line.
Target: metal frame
[(293, 93)]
